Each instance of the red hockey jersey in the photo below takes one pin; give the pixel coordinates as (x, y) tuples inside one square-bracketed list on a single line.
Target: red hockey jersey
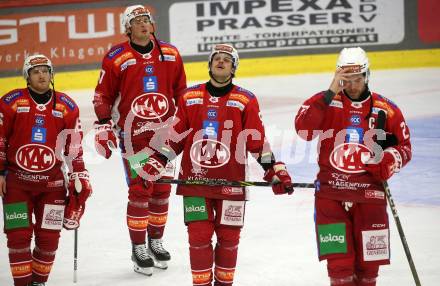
[(219, 132), (346, 143), (35, 139), (139, 91)]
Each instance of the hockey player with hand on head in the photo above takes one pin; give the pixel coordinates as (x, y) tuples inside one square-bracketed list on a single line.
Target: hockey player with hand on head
[(141, 81), (217, 123), (39, 129), (352, 227)]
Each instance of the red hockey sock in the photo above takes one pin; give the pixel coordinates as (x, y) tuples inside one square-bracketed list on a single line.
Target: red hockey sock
[(226, 255), (158, 210), (20, 261), (343, 281), (43, 256), (366, 276), (201, 259), (20, 258), (366, 281), (340, 271), (201, 254), (42, 262), (137, 221)]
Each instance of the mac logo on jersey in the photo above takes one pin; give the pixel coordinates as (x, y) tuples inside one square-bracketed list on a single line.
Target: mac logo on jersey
[(350, 157), (209, 153), (35, 158), (150, 105)]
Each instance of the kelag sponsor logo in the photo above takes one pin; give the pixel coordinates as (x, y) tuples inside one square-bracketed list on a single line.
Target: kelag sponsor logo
[(332, 238), (194, 208), (16, 215)]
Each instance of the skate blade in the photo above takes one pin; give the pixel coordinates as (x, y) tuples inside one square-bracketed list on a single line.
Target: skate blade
[(148, 271), (160, 264)]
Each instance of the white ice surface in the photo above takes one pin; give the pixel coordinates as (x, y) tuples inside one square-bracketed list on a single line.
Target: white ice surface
[(278, 242)]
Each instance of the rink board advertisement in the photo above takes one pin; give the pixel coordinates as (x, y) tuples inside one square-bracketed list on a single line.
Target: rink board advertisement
[(429, 21), (257, 25), (68, 37)]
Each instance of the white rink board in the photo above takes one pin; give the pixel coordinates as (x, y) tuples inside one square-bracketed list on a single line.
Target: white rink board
[(277, 245)]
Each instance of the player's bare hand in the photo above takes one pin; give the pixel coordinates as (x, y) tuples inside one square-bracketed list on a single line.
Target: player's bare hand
[(340, 77), (2, 186)]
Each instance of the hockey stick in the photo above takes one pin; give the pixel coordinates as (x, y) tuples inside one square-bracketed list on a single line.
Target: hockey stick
[(209, 182), (380, 125), (75, 256)]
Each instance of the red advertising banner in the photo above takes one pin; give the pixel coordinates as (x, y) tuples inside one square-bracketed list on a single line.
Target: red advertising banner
[(22, 3), (429, 21), (67, 37)]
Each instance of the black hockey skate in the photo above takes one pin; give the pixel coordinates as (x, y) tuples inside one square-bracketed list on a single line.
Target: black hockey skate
[(37, 284), (159, 254), (143, 263)]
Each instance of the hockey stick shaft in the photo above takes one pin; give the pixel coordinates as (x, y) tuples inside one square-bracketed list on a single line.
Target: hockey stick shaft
[(380, 125), (401, 233), (75, 257), (227, 183)]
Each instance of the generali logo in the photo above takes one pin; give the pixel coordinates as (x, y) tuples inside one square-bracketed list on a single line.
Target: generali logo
[(66, 37)]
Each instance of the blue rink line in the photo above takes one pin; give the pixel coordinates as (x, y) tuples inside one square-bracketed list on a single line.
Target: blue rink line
[(418, 182)]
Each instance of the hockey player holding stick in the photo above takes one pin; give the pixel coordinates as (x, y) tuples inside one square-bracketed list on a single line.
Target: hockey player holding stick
[(39, 129), (140, 83), (352, 228), (218, 124)]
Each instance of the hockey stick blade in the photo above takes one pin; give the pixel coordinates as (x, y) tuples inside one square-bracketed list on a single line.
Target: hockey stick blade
[(227, 183)]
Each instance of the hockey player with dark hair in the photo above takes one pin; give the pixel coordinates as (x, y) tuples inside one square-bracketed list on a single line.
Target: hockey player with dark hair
[(352, 228), (141, 81), (218, 124), (39, 129)]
